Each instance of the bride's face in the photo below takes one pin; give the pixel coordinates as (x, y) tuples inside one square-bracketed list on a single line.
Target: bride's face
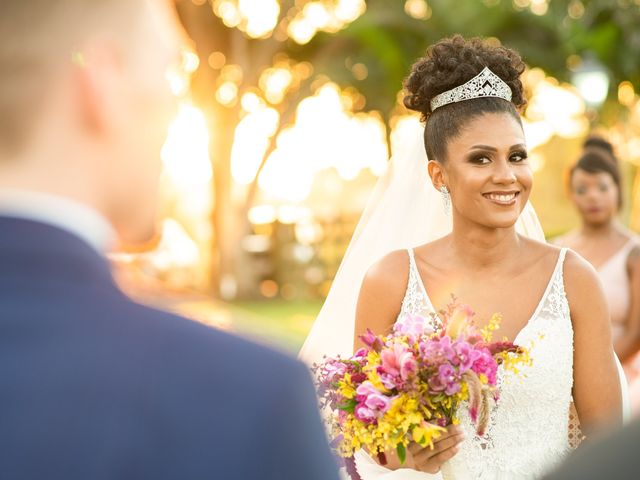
[(487, 171)]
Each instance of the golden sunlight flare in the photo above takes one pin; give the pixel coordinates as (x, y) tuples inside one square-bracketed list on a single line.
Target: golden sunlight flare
[(257, 18), (325, 135), (417, 9), (320, 16), (251, 140), (185, 154), (558, 106)]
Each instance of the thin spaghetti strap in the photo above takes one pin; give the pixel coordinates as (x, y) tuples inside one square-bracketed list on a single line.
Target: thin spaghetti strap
[(563, 254), (412, 261)]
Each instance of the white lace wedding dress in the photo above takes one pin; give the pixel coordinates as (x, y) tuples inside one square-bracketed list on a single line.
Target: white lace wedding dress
[(530, 427)]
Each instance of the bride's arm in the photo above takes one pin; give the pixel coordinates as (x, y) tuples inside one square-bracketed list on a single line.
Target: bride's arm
[(596, 385), (381, 295)]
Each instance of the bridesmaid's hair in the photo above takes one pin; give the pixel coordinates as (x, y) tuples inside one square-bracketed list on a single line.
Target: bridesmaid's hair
[(598, 156), (452, 62)]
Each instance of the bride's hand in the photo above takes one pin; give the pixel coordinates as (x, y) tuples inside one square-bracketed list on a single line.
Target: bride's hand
[(429, 460)]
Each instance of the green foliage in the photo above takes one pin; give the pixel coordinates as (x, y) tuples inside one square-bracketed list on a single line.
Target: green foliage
[(387, 40), (402, 452)]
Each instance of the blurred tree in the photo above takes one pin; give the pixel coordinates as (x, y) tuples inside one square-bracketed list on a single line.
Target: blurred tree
[(244, 48)]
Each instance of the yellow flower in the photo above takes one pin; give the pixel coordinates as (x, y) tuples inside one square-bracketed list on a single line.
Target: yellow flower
[(346, 388), (492, 326), (426, 433)]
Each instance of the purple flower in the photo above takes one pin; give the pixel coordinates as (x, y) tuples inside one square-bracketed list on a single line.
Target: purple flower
[(372, 341), (389, 381), (446, 380), (466, 355), (361, 353), (437, 351), (333, 369)]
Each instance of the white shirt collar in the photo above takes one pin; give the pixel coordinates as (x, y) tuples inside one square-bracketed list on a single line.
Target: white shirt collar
[(76, 218)]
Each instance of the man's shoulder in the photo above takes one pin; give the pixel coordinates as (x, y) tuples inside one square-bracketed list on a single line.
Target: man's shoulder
[(182, 340)]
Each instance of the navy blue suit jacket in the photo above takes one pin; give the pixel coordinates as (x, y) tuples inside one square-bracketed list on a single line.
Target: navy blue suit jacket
[(94, 386)]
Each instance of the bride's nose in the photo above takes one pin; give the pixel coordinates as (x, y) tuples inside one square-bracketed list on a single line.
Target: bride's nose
[(503, 173)]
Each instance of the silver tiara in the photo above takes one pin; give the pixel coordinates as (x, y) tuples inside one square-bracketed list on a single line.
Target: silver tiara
[(485, 84)]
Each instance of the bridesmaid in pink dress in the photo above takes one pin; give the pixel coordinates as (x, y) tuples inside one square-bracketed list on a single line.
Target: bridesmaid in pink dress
[(613, 250)]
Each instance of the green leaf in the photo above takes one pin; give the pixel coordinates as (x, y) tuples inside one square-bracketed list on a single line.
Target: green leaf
[(350, 406), (402, 452)]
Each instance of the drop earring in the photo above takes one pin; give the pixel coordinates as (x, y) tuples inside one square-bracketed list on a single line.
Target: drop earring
[(446, 199)]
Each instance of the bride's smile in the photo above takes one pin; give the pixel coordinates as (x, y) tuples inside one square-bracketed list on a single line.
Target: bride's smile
[(502, 198)]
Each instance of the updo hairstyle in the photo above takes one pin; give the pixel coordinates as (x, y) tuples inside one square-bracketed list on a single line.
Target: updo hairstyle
[(448, 64)]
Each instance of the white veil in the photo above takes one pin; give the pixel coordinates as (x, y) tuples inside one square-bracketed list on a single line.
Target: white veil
[(404, 211)]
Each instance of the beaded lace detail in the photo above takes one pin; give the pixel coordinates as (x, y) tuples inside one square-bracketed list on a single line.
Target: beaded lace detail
[(530, 428)]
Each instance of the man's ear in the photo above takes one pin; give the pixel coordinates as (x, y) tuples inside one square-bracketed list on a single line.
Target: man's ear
[(438, 174), (97, 75)]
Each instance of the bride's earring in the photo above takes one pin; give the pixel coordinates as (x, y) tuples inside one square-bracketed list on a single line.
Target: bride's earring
[(446, 199)]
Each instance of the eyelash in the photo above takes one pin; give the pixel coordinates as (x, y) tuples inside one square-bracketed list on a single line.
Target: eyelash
[(478, 158)]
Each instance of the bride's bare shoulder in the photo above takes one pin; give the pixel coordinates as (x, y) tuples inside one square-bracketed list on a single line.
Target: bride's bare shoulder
[(390, 272), (383, 290)]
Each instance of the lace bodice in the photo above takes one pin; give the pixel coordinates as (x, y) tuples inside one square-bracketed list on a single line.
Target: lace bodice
[(530, 423)]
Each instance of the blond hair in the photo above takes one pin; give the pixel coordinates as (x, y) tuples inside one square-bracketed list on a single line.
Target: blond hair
[(37, 39)]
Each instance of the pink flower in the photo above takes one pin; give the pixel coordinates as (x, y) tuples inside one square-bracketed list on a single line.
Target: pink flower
[(398, 361), (364, 414), (372, 341), (446, 380), (371, 398), (366, 389), (378, 402), (485, 365), (466, 355)]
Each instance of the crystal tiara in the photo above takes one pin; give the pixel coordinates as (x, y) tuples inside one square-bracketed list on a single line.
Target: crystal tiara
[(485, 84)]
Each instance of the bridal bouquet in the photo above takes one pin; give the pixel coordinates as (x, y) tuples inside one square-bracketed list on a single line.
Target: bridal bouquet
[(406, 386)]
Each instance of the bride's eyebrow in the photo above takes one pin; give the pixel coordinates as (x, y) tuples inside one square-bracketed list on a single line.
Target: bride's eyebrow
[(494, 149), (484, 147)]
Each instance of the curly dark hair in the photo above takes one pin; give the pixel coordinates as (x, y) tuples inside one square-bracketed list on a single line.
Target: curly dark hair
[(452, 62), (598, 156)]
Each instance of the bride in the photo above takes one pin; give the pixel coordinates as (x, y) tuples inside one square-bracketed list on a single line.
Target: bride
[(482, 243)]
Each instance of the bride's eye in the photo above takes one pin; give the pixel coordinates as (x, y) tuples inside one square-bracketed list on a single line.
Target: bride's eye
[(518, 157), (480, 160)]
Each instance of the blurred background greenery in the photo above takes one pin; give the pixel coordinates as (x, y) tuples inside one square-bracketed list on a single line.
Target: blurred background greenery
[(291, 109)]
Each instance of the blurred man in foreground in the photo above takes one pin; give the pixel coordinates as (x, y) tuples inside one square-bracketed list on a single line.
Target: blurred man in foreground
[(92, 385)]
